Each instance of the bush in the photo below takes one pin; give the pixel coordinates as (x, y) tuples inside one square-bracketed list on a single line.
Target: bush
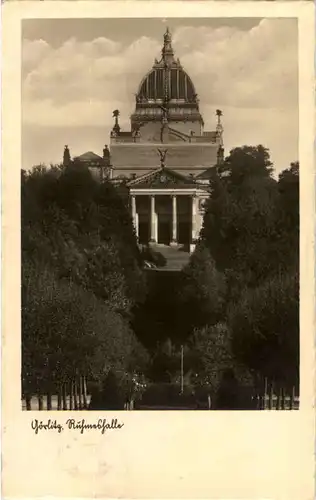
[(211, 355), (167, 395), (110, 397), (153, 256)]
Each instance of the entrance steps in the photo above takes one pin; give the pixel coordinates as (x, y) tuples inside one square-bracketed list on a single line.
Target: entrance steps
[(176, 256)]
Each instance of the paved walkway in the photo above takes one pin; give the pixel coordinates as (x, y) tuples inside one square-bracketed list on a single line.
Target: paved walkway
[(176, 257)]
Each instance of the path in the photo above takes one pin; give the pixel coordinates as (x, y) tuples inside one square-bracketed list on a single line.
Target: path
[(176, 257)]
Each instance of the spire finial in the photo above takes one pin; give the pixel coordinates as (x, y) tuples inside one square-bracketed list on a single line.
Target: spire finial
[(167, 35), (167, 50)]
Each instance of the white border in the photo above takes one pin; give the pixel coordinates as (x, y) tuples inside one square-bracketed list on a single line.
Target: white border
[(167, 454)]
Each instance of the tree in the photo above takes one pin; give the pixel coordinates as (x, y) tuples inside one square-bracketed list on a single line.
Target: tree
[(239, 222), (211, 354), (251, 230), (287, 216), (110, 397), (246, 161), (165, 362), (81, 274), (87, 228), (201, 292), (211, 348), (116, 224), (265, 328), (67, 331)]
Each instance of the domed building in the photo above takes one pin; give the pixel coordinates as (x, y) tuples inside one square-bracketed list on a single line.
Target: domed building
[(166, 157), (166, 112)]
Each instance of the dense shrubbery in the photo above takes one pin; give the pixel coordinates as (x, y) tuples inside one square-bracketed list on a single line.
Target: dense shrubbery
[(81, 276)]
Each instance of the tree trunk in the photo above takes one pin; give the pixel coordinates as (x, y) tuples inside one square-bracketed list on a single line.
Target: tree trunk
[(80, 393), (85, 401), (71, 396), (271, 397), (292, 401), (59, 406), (40, 402), (282, 399), (278, 403), (75, 394), (49, 400), (265, 393), (28, 401), (64, 396)]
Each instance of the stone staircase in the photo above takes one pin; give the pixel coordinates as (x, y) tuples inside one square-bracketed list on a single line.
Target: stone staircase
[(176, 256)]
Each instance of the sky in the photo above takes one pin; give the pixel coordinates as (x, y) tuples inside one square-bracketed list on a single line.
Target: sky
[(75, 72)]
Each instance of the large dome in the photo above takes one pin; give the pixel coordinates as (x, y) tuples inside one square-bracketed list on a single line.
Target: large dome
[(166, 87), (179, 85), (166, 80)]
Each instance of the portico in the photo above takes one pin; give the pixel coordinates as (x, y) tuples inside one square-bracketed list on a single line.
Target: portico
[(170, 215)]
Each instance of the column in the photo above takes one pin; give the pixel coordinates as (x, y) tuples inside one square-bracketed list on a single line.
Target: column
[(134, 215), (174, 220), (153, 235), (194, 222)]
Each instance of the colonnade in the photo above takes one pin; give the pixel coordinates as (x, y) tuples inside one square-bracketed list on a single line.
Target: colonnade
[(153, 217)]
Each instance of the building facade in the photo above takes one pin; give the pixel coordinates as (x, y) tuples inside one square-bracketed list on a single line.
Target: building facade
[(166, 158)]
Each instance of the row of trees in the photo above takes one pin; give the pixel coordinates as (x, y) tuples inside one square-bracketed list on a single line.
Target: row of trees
[(240, 291), (87, 307), (81, 276)]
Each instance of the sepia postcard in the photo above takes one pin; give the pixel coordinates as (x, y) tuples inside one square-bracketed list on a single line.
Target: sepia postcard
[(158, 249)]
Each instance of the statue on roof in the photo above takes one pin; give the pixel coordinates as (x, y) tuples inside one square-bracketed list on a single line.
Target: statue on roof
[(116, 127), (66, 157), (162, 154), (219, 126), (106, 153)]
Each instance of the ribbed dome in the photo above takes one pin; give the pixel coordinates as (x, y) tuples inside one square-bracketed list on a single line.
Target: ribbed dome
[(166, 80), (173, 82), (166, 93)]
